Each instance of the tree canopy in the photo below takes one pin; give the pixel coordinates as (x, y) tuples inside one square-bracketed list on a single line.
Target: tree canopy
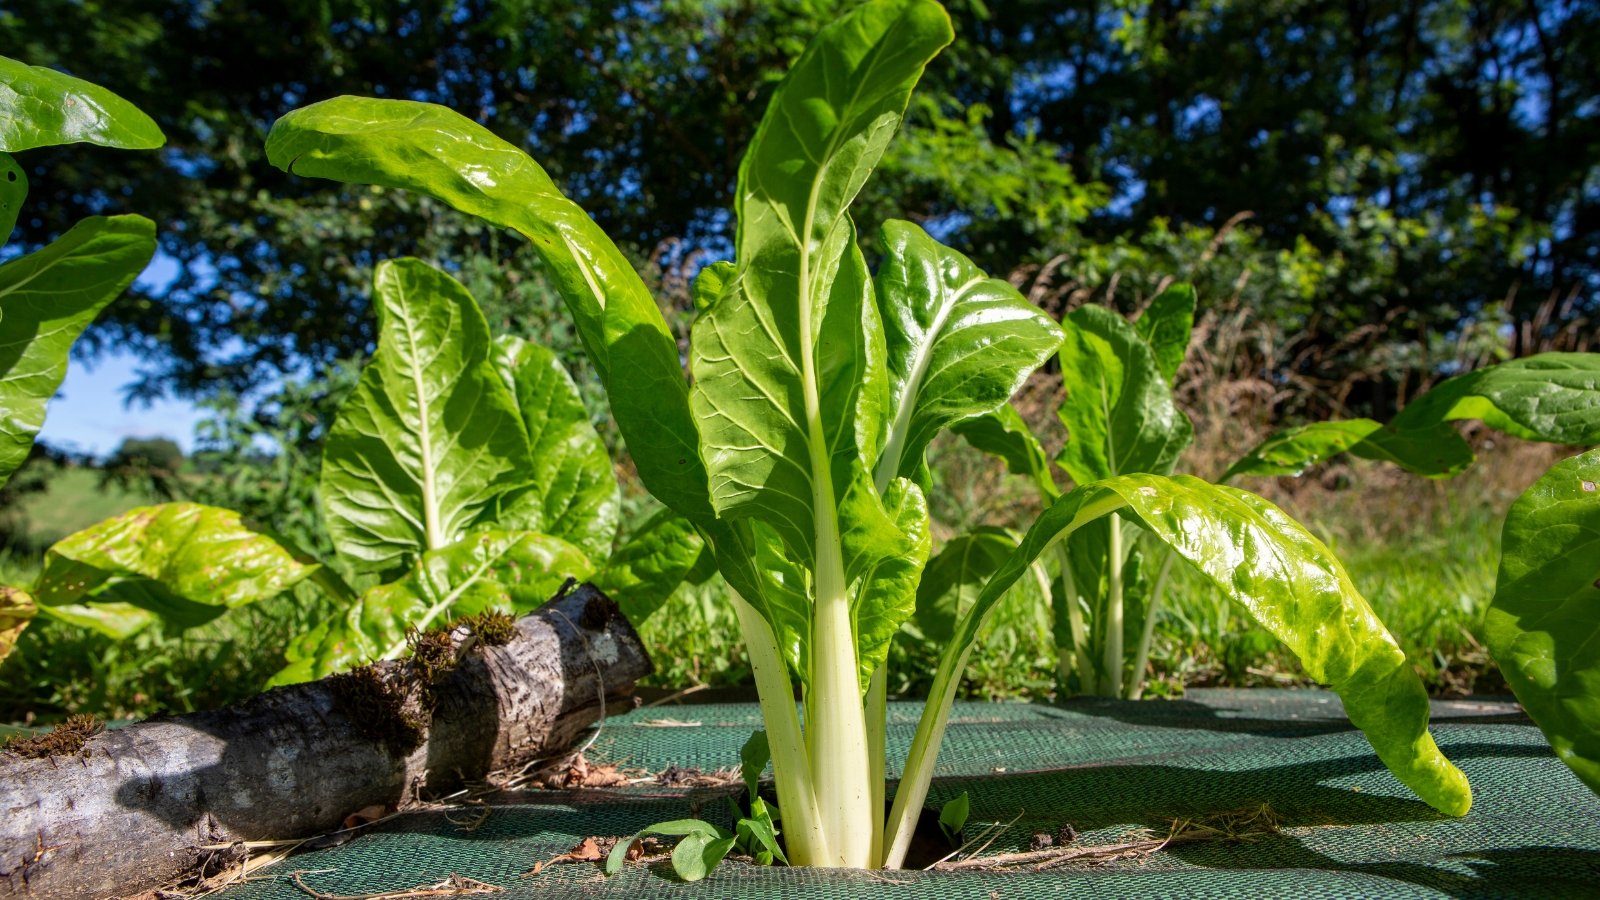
[(1402, 165)]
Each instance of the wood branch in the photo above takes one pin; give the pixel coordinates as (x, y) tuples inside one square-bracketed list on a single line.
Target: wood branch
[(139, 806)]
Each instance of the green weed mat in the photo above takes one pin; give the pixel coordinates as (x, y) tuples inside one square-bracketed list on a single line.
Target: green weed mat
[(1349, 829)]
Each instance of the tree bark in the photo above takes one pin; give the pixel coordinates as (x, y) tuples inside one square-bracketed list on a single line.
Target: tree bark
[(134, 808)]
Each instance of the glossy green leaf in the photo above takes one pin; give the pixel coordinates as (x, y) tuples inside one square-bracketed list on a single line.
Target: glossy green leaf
[(1436, 452), (887, 574), (1552, 397), (1004, 435), (47, 299), (1289, 583), (759, 836), (181, 561), (954, 578), (1166, 325), (13, 190), (1543, 625), (509, 571), (432, 150), (788, 364), (430, 437), (959, 342), (574, 493), (17, 609), (650, 564), (1119, 411), (41, 107)]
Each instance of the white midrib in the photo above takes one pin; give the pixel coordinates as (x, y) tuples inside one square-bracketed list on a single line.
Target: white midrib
[(430, 500), (889, 462)]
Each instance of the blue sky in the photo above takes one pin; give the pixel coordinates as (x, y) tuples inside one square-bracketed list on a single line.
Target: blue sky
[(88, 415)]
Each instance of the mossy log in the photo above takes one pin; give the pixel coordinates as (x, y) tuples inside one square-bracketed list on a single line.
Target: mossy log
[(138, 806)]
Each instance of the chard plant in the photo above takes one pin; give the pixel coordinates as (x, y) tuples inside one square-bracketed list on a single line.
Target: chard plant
[(462, 474), (1107, 583), (796, 448), (49, 297)]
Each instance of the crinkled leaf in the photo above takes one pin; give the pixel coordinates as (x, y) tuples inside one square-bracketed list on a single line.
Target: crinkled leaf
[(788, 364), (47, 299), (953, 579), (710, 283), (1166, 325), (16, 610), (1003, 434), (1119, 411), (1543, 625), (574, 493), (41, 107), (430, 437), (509, 571), (181, 561), (650, 564), (432, 150), (1289, 583), (1552, 397), (13, 190), (1436, 451), (959, 342), (887, 579)]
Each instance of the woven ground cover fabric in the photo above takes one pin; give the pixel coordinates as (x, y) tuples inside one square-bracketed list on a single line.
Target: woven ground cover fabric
[(1109, 768)]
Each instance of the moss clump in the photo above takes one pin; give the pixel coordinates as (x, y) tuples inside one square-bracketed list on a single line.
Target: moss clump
[(493, 627), (433, 654), (382, 709), (67, 739)]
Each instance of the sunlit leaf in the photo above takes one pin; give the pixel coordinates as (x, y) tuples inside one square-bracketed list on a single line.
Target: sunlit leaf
[(1166, 325), (41, 107), (431, 436), (47, 299), (1436, 451), (574, 493), (650, 564), (184, 562), (1543, 625)]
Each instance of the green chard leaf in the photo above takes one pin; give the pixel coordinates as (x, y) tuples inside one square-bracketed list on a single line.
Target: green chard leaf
[(1436, 451), (41, 107), (431, 436), (509, 571), (574, 493), (1543, 625), (1552, 397), (13, 190), (183, 562), (1289, 583), (650, 564), (959, 343), (1119, 411), (47, 299), (1166, 325), (431, 150), (954, 578), (1004, 435)]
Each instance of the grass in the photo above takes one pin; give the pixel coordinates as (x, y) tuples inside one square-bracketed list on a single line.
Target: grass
[(73, 499)]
